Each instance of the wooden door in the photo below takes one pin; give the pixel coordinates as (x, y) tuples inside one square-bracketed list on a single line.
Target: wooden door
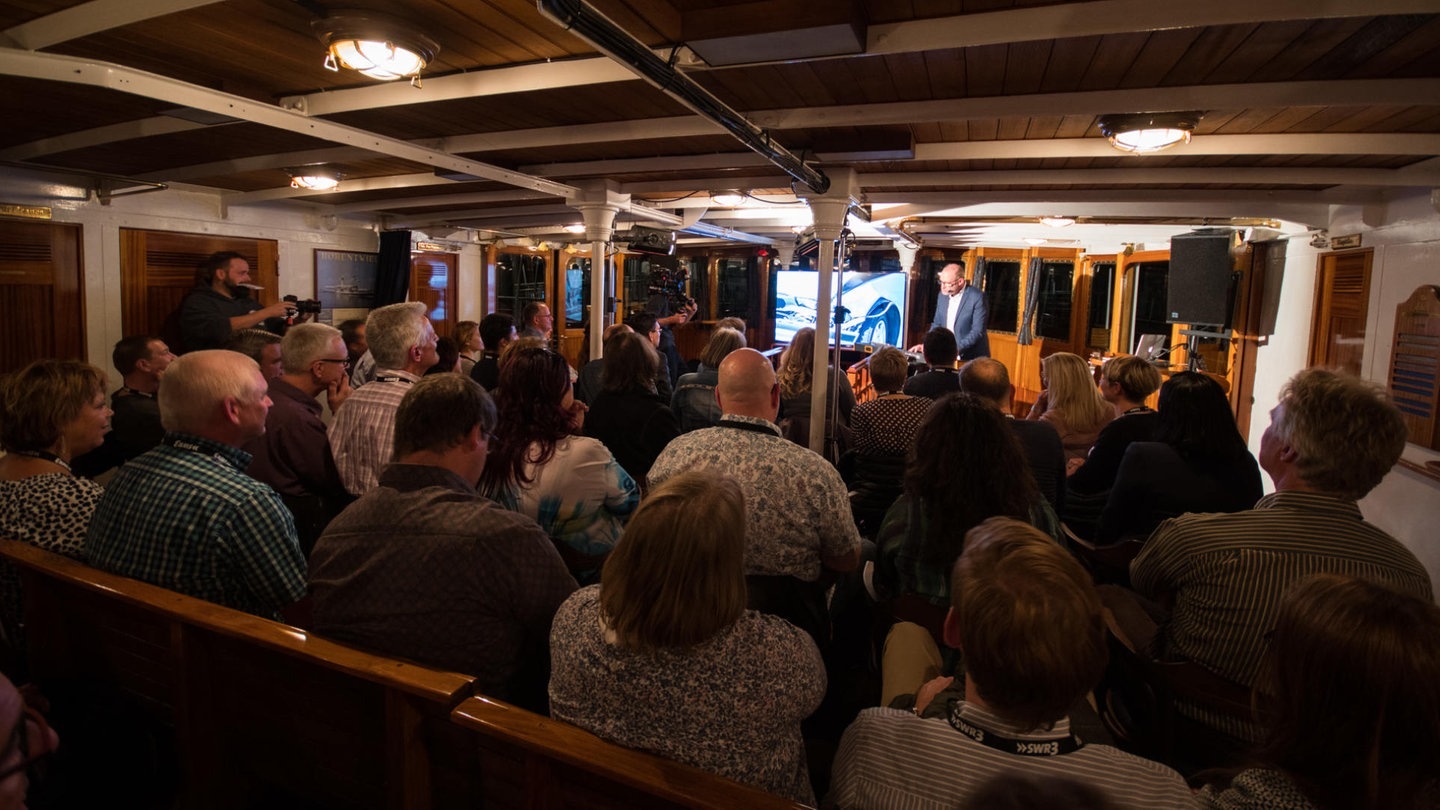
[(1342, 299), (432, 278), (42, 308), (157, 271)]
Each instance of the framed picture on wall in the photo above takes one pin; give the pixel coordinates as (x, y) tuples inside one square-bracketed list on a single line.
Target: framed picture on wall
[(345, 283)]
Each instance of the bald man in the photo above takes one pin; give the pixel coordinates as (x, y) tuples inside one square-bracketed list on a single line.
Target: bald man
[(961, 309), (184, 515), (797, 511), (988, 379)]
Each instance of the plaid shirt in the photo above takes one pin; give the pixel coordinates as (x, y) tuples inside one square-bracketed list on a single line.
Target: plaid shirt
[(186, 517), (362, 437)]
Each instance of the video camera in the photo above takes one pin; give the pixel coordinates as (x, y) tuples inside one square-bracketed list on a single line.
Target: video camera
[(303, 306), (670, 283)]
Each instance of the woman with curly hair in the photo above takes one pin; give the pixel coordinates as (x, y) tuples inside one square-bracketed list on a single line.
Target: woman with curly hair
[(540, 465), (964, 466), (1073, 404)]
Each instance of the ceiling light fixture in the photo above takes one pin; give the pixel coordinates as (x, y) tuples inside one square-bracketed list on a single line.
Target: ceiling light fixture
[(375, 45), (575, 228), (1142, 133), (1058, 222), (314, 179), (728, 199), (1033, 242)]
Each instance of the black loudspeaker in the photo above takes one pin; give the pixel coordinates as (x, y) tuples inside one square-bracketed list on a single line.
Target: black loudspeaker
[(1198, 291)]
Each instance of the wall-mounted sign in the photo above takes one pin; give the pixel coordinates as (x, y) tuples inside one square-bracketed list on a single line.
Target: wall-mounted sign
[(435, 247), (25, 211), (1342, 242)]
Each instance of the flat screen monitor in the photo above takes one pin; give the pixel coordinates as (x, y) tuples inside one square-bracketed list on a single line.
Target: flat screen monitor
[(876, 302)]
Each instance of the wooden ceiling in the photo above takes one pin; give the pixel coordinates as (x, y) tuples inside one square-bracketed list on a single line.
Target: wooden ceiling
[(941, 107)]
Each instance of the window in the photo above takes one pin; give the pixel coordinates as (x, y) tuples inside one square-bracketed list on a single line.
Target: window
[(1102, 290), (519, 279), (1151, 280), (1057, 285), (733, 288), (577, 292), (1002, 295)]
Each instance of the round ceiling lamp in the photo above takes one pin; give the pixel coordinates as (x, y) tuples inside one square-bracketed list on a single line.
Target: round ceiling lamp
[(728, 199), (374, 45), (1058, 222), (314, 179), (1142, 133)]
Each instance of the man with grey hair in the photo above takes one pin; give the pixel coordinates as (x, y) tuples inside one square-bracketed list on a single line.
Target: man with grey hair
[(1331, 439), (479, 584), (293, 456), (402, 341), (184, 515)]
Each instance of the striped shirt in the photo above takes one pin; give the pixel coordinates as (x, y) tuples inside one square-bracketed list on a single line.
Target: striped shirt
[(185, 516), (362, 437), (1227, 574), (892, 760)]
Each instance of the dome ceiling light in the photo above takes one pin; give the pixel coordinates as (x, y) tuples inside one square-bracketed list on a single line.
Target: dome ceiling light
[(374, 45), (1142, 133)]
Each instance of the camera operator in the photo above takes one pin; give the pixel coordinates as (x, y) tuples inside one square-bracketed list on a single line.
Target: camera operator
[(671, 307), (221, 304)]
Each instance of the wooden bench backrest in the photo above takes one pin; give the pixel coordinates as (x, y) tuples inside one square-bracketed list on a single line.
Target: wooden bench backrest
[(548, 764), (263, 713)]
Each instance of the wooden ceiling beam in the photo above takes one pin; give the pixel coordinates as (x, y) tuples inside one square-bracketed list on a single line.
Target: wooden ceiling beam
[(91, 18), (99, 136), (1319, 176), (1310, 143)]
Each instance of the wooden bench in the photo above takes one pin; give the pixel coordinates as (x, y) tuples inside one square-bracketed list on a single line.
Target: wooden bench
[(533, 762), (267, 715), (263, 714)]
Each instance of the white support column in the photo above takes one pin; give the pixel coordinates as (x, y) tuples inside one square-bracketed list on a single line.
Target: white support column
[(829, 212), (785, 254), (598, 203)]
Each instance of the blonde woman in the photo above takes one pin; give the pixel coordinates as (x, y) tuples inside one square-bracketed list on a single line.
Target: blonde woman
[(1072, 403), (795, 379), (467, 335), (664, 657)]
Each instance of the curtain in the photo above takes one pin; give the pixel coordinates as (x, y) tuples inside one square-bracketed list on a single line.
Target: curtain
[(1032, 299), (392, 279), (977, 273)]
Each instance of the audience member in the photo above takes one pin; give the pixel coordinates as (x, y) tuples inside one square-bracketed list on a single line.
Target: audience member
[(587, 384), (293, 455), (50, 410), (1331, 439), (886, 425), (797, 512), (220, 304), (732, 322), (536, 321), (261, 346), (479, 584), (667, 317), (647, 326), (496, 332), (628, 416), (1030, 624), (1125, 382), (402, 341), (353, 331), (664, 657), (1198, 462), (1351, 703), (1071, 402), (541, 467), (135, 421), (795, 375), (467, 337), (28, 741), (965, 466), (448, 352), (941, 378), (694, 399), (185, 516), (986, 377)]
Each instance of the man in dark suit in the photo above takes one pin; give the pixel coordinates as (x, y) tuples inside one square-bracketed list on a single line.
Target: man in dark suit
[(961, 309), (987, 378)]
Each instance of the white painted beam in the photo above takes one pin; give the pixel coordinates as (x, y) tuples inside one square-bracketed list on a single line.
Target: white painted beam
[(1219, 174), (99, 136), (361, 184), (1317, 143), (403, 203), (129, 80), (90, 18)]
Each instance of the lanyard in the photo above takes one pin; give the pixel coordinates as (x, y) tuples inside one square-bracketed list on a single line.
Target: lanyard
[(1025, 748), (44, 455), (394, 378)]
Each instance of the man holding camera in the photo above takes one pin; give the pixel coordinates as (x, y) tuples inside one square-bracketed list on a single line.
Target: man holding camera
[(220, 304)]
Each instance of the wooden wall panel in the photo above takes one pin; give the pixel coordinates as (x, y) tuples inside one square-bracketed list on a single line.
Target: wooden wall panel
[(42, 309)]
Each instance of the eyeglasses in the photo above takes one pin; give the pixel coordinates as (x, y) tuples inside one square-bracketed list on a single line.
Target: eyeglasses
[(343, 361), (31, 751)]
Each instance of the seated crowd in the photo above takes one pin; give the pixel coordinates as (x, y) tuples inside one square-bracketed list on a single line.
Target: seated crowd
[(649, 556)]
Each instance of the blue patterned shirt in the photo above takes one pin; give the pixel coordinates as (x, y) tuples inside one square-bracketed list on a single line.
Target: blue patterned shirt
[(185, 516)]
